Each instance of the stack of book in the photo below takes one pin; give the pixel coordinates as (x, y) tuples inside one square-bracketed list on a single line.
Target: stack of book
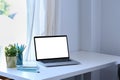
[(29, 67)]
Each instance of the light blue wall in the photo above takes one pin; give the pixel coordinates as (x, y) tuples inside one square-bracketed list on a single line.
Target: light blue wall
[(92, 25), (110, 37), (68, 21), (110, 34), (85, 25), (76, 19)]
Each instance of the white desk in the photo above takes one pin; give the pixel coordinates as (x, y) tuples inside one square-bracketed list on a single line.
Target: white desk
[(89, 62)]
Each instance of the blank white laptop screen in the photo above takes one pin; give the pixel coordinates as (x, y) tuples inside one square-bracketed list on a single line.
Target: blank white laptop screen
[(51, 47)]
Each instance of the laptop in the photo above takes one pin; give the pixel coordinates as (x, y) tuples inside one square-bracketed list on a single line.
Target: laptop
[(53, 51)]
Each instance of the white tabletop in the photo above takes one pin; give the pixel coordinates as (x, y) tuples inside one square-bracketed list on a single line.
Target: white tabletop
[(89, 62)]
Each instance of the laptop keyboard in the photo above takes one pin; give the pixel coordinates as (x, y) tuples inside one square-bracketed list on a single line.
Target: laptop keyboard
[(57, 60)]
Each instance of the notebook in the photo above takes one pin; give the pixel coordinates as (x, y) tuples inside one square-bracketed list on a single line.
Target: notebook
[(53, 51)]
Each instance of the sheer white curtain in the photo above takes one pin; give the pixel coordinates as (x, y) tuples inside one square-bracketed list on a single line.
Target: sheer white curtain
[(51, 7), (41, 21)]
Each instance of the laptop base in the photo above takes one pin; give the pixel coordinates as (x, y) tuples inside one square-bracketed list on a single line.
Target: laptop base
[(55, 64)]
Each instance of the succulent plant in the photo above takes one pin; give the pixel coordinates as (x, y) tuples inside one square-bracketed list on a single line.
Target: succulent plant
[(11, 50)]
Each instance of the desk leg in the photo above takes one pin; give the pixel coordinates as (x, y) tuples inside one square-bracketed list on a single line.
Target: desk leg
[(79, 77), (119, 71), (86, 76), (82, 76)]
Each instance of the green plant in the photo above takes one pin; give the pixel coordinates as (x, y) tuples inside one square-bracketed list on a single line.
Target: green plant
[(11, 50), (4, 7)]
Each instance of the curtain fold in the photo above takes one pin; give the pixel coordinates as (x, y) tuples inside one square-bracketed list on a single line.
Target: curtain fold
[(51, 17), (41, 21), (32, 25)]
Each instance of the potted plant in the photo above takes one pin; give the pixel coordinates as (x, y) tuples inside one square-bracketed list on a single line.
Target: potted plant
[(11, 53)]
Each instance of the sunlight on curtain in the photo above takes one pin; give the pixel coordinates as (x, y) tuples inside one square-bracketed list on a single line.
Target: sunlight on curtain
[(41, 21), (51, 17), (33, 28)]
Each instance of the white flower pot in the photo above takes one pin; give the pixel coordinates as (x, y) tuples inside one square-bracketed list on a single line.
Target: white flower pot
[(11, 62)]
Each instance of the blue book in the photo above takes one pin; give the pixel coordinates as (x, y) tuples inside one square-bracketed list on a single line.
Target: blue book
[(28, 69)]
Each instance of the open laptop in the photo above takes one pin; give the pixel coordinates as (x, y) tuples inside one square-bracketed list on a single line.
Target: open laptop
[(53, 50)]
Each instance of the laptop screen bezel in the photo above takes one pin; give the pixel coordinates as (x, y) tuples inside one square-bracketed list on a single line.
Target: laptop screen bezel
[(60, 58)]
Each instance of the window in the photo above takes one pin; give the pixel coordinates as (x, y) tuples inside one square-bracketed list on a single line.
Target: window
[(15, 29), (13, 21), (13, 24)]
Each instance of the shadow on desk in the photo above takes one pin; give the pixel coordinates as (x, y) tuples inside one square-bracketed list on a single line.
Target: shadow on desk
[(5, 78)]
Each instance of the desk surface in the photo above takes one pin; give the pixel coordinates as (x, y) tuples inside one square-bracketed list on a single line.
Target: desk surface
[(89, 62)]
